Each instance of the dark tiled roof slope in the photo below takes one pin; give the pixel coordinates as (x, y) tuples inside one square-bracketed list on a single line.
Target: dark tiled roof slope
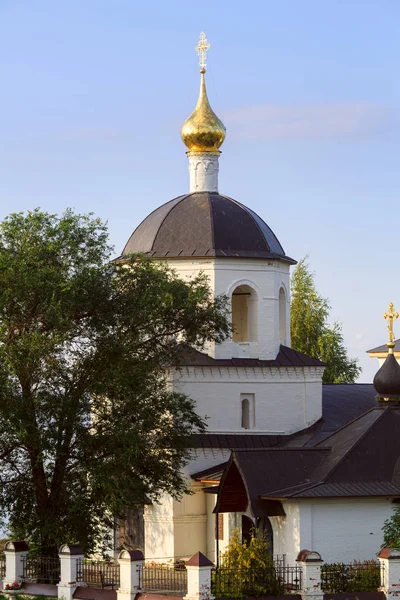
[(205, 224), (287, 357), (363, 459)]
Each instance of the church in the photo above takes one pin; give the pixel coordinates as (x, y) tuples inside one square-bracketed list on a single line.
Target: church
[(314, 466)]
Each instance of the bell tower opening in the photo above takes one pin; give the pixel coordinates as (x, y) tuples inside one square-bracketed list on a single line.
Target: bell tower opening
[(244, 314), (282, 317)]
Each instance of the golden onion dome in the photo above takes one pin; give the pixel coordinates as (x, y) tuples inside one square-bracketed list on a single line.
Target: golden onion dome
[(203, 131)]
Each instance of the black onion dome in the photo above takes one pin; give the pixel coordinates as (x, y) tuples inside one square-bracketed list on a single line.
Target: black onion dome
[(387, 379), (205, 224)]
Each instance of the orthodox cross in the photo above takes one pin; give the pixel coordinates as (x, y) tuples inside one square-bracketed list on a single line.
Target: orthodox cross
[(202, 48), (390, 315)]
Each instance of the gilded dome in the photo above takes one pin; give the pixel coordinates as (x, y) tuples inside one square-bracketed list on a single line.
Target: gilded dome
[(203, 131)]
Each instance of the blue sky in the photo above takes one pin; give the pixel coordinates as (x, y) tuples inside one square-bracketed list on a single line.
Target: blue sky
[(93, 94)]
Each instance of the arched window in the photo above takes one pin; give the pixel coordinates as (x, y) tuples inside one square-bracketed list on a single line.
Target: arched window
[(246, 413), (244, 314), (282, 317)]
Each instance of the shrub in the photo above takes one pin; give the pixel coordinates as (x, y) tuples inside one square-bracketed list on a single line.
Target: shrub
[(358, 576), (247, 569)]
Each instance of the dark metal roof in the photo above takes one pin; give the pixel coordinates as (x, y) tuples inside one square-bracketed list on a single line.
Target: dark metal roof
[(287, 357), (341, 404), (205, 224), (211, 474), (362, 459), (341, 490), (384, 348), (257, 467)]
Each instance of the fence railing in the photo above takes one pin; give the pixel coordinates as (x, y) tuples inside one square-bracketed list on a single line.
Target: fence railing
[(270, 580), (290, 577), (280, 560), (99, 574), (339, 578), (2, 565), (163, 578), (41, 569)]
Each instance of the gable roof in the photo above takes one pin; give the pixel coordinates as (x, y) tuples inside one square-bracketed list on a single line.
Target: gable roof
[(362, 459)]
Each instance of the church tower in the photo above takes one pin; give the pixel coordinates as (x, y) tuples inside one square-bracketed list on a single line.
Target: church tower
[(253, 387), (205, 231)]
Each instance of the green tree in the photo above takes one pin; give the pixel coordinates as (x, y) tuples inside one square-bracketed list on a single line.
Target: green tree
[(311, 332), (88, 423), (391, 530), (247, 568)]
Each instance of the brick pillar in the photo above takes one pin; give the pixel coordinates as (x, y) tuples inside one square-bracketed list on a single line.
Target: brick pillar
[(311, 563), (130, 569), (199, 578), (389, 559), (69, 556), (14, 552)]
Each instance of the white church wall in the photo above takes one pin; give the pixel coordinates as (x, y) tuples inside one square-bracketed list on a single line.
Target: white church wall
[(190, 523), (210, 527), (341, 530), (286, 532), (346, 530), (285, 399), (266, 277), (159, 530)]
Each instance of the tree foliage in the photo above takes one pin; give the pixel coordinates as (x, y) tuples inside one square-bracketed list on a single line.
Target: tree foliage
[(88, 423), (391, 530), (311, 332), (247, 568)]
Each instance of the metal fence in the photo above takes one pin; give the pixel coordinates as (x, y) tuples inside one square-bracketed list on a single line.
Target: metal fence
[(98, 574), (163, 578), (280, 560), (339, 578), (41, 569), (272, 580), (2, 565), (290, 577)]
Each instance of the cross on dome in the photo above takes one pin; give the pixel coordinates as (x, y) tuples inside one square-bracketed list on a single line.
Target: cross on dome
[(390, 316), (202, 48)]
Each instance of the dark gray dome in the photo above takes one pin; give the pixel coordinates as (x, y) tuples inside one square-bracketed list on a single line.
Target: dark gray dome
[(387, 379), (205, 224)]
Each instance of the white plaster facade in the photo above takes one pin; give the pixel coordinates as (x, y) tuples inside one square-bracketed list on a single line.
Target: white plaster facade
[(203, 172), (284, 400), (270, 281), (342, 530)]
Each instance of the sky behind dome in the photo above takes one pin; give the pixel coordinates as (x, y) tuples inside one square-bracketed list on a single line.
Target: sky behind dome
[(93, 94)]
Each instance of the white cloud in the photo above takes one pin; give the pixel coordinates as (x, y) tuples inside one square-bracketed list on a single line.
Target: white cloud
[(306, 121)]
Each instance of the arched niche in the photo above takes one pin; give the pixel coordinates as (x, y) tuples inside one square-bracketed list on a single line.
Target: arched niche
[(282, 317), (247, 404), (246, 413), (244, 314)]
